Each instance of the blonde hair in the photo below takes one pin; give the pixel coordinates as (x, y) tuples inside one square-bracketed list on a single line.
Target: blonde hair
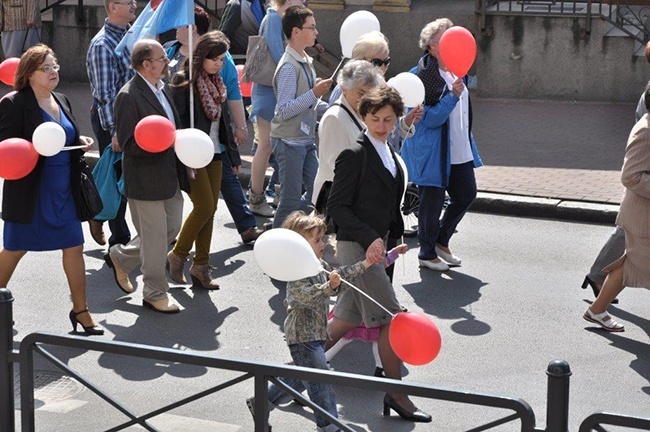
[(370, 45), (432, 29), (304, 224)]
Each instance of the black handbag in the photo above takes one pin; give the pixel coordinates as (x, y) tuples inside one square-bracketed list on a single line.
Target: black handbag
[(90, 203)]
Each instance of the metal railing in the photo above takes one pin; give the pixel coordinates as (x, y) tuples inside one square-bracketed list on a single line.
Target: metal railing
[(629, 16), (557, 403)]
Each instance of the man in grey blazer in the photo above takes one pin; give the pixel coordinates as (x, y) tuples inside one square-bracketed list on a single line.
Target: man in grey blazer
[(152, 181)]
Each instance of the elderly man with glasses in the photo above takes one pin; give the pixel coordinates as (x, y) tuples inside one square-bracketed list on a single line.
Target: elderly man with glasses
[(152, 181), (107, 73)]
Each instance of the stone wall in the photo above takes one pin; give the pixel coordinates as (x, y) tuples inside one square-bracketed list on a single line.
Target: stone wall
[(553, 58)]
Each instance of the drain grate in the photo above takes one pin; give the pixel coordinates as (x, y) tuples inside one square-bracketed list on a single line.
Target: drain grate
[(51, 386)]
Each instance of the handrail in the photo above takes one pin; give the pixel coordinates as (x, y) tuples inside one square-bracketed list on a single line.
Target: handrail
[(32, 342), (595, 420), (611, 11)]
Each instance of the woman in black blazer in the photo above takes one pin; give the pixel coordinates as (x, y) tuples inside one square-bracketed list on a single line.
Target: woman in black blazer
[(364, 203), (40, 210)]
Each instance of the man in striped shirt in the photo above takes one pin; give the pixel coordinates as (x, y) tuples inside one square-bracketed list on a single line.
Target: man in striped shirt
[(107, 73), (298, 93)]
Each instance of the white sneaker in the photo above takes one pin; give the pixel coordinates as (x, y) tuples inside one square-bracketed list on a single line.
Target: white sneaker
[(449, 258), (438, 266)]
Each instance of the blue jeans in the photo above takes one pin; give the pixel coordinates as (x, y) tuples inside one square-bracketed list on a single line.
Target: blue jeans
[(432, 229), (298, 166), (120, 232), (233, 195), (311, 355)]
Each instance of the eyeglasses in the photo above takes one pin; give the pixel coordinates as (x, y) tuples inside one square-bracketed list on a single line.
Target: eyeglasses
[(379, 62), (131, 3), (162, 59), (49, 68), (312, 28)]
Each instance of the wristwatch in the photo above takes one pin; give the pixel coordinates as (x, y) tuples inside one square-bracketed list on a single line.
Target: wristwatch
[(245, 127)]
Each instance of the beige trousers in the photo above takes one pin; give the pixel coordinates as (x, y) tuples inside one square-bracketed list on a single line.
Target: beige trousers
[(157, 224)]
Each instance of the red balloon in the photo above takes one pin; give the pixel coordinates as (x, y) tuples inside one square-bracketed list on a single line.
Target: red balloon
[(458, 50), (414, 338), (18, 158), (155, 133), (8, 70), (245, 87)]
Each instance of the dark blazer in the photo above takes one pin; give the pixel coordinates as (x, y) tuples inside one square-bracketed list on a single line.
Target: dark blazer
[(181, 97), (368, 210), (147, 176), (19, 117)]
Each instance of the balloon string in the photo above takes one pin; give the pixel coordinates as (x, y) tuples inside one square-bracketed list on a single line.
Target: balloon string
[(361, 292), (73, 148), (403, 260)]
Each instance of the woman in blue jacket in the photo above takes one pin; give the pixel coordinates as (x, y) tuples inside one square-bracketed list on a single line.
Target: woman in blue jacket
[(441, 155)]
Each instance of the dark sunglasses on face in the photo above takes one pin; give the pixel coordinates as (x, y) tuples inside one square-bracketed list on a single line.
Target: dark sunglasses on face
[(379, 62)]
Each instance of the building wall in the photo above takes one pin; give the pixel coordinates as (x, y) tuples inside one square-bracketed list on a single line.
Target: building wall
[(552, 58)]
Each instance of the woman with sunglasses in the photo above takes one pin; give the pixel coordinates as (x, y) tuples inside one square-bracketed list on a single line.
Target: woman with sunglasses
[(373, 47), (40, 209), (442, 154)]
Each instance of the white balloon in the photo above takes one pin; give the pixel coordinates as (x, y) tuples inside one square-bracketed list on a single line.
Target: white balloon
[(410, 87), (194, 148), (48, 138), (355, 25), (285, 255)]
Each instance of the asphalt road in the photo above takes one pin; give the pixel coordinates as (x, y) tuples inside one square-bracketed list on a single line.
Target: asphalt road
[(513, 306)]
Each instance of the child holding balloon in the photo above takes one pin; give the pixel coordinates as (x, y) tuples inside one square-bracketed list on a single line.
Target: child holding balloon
[(306, 323)]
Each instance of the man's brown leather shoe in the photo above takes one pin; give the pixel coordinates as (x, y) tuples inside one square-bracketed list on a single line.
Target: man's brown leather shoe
[(251, 234), (97, 232)]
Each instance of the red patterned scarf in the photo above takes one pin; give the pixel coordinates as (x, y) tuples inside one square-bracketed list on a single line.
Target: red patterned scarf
[(212, 93)]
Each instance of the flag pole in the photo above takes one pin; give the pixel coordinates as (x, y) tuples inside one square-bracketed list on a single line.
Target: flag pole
[(191, 90)]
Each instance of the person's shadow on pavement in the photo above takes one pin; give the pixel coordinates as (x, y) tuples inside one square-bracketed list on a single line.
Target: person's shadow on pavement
[(447, 295), (640, 349)]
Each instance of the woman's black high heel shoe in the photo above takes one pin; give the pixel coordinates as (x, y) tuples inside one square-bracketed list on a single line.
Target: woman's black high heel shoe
[(417, 416), (90, 330), (594, 288)]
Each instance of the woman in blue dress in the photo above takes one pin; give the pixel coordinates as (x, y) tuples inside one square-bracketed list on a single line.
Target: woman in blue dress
[(263, 103), (40, 210)]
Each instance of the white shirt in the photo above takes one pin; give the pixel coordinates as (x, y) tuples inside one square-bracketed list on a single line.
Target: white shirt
[(214, 134), (384, 153), (157, 90), (461, 151)]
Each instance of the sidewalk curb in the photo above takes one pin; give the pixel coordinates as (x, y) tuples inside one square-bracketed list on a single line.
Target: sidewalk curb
[(517, 205), (510, 205)]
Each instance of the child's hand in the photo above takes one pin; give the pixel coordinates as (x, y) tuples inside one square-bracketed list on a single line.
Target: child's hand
[(401, 249), (335, 280)]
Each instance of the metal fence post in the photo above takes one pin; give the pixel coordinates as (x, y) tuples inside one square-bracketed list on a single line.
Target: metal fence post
[(7, 420), (557, 404)]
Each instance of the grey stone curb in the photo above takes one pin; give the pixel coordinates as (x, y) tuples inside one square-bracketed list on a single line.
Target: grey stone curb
[(549, 208), (511, 205)]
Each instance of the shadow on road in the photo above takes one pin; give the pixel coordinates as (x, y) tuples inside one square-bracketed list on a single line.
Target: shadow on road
[(450, 295)]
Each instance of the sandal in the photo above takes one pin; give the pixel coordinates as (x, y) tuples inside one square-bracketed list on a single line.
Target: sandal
[(604, 320)]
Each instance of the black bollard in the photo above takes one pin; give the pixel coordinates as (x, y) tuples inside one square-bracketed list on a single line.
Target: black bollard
[(7, 421), (557, 404)]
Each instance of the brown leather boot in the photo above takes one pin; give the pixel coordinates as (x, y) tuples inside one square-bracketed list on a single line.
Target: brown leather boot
[(201, 277), (176, 267)]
